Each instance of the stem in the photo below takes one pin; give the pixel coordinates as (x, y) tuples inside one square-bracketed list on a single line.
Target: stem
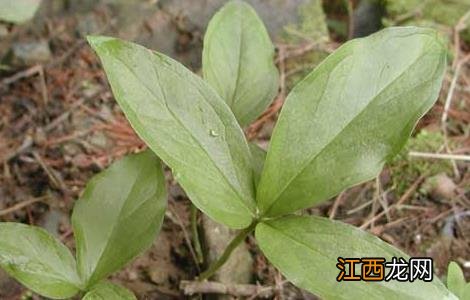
[(240, 237), (350, 8), (196, 240)]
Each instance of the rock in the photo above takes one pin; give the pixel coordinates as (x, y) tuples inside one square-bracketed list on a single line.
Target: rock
[(3, 31), (100, 140), (71, 149), (30, 53), (176, 27), (238, 268), (440, 187), (276, 14), (368, 18), (158, 263), (53, 220)]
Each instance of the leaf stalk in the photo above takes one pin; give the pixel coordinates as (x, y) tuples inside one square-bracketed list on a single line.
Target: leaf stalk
[(237, 240)]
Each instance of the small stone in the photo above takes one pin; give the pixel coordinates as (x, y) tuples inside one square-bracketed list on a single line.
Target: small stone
[(71, 149), (133, 275), (30, 53), (90, 90), (40, 136), (53, 220), (3, 31), (99, 139), (440, 187)]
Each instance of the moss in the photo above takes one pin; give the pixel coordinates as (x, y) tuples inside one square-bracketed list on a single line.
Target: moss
[(405, 169), (311, 26), (445, 13)]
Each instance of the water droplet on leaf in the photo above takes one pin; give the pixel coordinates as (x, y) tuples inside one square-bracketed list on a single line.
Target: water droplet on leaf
[(213, 133)]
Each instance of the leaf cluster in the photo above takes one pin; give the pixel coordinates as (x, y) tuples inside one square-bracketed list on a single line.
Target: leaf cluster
[(117, 218), (337, 128)]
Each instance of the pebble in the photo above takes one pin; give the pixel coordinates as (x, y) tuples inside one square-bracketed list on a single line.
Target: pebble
[(30, 53)]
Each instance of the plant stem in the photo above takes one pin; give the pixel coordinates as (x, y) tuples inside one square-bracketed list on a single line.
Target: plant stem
[(350, 8), (196, 241), (239, 238)]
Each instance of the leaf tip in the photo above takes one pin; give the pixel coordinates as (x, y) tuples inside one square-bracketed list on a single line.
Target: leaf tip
[(96, 40)]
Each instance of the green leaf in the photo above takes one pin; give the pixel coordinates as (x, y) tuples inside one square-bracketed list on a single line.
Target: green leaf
[(466, 292), (119, 215), (237, 60), (258, 156), (306, 249), (38, 260), (187, 124), (107, 290), (18, 11), (349, 116), (455, 279)]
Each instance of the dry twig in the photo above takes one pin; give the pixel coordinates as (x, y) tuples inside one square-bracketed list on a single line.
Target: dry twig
[(175, 218), (22, 205), (237, 290), (439, 156), (400, 202)]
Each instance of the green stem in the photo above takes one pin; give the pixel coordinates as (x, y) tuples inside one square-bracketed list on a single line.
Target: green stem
[(240, 237), (196, 240), (350, 8)]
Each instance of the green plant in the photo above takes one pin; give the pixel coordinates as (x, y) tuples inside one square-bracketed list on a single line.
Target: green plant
[(456, 282), (440, 14), (337, 128), (117, 217)]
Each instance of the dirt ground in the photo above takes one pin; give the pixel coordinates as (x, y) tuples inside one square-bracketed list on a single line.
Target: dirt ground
[(59, 125)]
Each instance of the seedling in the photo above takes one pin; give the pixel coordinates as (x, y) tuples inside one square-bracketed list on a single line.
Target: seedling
[(337, 128), (117, 218)]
